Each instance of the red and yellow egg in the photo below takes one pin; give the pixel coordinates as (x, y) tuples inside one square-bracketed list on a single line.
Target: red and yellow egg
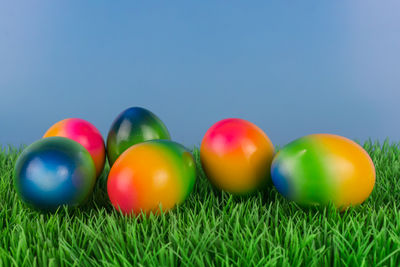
[(236, 156)]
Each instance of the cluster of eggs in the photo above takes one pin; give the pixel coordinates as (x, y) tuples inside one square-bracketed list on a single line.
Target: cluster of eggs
[(149, 173)]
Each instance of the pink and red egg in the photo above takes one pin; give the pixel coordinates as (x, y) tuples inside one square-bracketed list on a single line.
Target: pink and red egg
[(85, 134)]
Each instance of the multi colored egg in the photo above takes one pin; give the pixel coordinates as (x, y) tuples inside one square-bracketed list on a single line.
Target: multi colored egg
[(85, 134), (236, 156), (150, 177), (133, 126), (54, 171), (324, 168)]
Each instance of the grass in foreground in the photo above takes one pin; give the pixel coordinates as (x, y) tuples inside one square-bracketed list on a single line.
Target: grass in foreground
[(210, 228)]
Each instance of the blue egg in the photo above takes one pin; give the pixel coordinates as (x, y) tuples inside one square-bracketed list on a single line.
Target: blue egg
[(54, 171)]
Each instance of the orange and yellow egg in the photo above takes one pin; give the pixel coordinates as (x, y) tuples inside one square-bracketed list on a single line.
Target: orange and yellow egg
[(150, 177)]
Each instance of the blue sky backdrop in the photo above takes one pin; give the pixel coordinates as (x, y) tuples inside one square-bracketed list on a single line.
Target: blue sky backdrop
[(292, 67)]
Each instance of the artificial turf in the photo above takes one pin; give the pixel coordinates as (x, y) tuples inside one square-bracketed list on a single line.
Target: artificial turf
[(210, 229)]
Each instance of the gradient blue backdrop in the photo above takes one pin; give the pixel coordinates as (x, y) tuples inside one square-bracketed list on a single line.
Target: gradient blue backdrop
[(292, 67)]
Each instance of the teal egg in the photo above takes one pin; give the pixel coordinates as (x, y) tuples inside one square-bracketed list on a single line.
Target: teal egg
[(53, 172)]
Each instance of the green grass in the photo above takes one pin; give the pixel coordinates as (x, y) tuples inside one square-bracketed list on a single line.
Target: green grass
[(210, 228)]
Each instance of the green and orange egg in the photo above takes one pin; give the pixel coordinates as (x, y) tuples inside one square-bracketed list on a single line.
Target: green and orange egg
[(323, 168)]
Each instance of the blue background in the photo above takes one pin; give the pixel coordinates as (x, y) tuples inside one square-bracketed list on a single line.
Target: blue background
[(291, 67)]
